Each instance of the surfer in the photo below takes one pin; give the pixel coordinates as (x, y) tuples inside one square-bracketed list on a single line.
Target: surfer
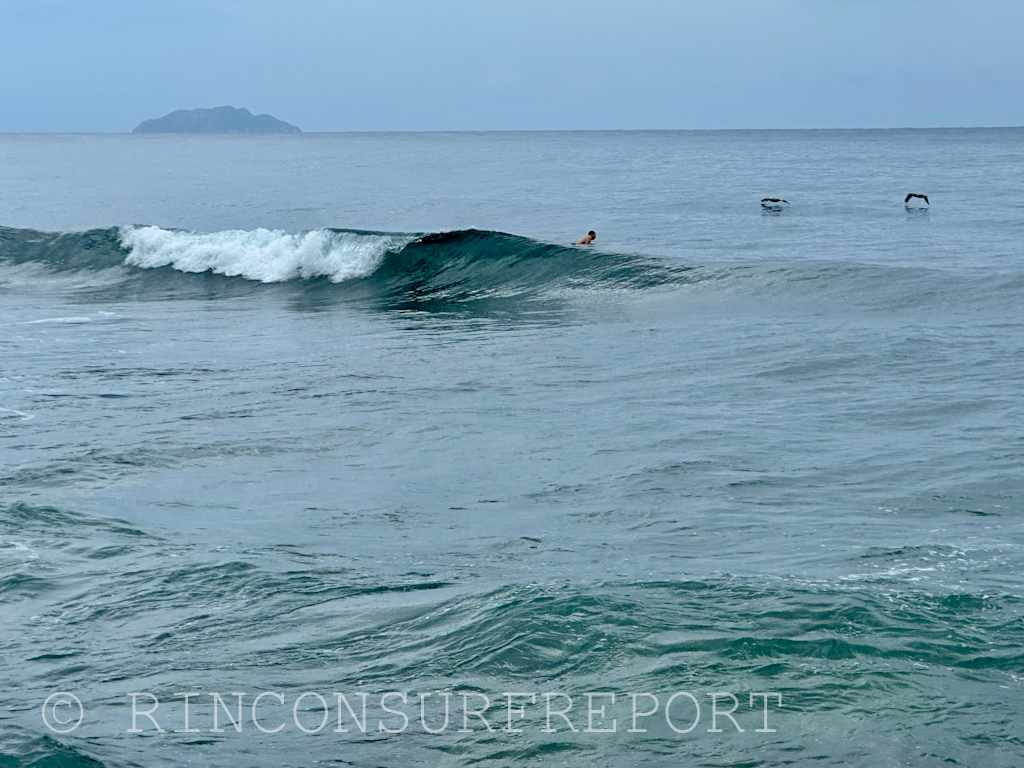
[(914, 194), (587, 239)]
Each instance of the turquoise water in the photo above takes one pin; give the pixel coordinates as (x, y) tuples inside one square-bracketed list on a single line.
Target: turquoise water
[(328, 414)]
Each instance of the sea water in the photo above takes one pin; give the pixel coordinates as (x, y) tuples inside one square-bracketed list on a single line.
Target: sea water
[(305, 421)]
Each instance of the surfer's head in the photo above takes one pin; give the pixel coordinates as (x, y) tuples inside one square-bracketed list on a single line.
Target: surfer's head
[(592, 233)]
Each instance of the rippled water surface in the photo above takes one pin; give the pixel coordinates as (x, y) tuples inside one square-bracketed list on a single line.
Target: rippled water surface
[(347, 414)]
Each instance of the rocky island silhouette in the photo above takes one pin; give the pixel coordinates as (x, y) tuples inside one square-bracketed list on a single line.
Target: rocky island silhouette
[(216, 120)]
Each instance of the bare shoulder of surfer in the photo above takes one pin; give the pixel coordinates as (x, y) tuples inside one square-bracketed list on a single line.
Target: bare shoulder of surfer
[(587, 239)]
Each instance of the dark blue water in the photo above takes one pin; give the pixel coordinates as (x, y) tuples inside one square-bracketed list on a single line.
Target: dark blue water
[(344, 414)]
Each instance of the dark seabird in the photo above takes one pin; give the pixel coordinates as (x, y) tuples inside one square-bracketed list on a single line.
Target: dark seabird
[(774, 204), (908, 198)]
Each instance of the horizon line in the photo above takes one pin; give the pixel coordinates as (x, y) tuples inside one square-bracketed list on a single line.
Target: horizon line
[(519, 130)]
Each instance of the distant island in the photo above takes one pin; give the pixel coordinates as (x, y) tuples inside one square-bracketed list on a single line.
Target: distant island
[(216, 120)]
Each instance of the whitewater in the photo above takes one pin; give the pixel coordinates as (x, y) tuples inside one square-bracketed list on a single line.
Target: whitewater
[(290, 424), (264, 255)]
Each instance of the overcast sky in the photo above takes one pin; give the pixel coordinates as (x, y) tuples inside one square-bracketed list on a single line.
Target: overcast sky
[(327, 65)]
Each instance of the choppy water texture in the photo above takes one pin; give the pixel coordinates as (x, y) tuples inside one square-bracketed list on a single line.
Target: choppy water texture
[(345, 413)]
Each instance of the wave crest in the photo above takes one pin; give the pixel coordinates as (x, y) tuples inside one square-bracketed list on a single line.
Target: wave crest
[(268, 256)]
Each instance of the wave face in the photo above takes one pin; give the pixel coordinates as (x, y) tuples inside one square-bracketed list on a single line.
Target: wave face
[(94, 249), (449, 266)]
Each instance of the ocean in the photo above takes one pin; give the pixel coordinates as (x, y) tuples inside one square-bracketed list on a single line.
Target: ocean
[(306, 438)]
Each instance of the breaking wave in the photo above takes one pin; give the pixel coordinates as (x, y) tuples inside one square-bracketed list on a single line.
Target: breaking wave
[(442, 268), (269, 256), (460, 265)]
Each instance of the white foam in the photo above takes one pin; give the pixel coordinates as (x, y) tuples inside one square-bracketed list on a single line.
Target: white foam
[(17, 550), (10, 413), (270, 256), (67, 320)]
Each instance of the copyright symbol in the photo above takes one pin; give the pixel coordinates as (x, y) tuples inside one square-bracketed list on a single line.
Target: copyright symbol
[(61, 710)]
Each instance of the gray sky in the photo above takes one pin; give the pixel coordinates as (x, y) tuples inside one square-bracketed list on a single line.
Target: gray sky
[(106, 65)]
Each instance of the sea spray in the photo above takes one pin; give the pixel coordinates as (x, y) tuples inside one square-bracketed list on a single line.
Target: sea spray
[(269, 256)]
